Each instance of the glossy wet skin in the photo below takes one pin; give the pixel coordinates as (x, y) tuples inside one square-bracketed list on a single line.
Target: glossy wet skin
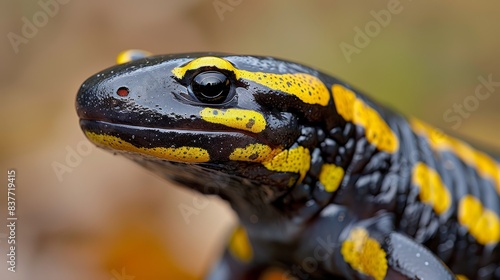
[(144, 111), (299, 154)]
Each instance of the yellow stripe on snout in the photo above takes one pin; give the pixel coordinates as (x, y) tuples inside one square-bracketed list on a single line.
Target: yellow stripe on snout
[(236, 118), (254, 153), (181, 154)]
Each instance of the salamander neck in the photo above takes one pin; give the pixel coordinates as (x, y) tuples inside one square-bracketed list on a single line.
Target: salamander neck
[(332, 151)]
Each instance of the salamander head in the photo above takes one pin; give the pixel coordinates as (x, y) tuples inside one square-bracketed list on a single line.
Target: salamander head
[(235, 121)]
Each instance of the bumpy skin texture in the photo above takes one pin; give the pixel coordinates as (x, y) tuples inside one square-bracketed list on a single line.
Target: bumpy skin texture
[(326, 183)]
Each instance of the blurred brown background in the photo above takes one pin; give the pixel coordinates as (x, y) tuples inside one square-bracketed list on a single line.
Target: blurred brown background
[(102, 217)]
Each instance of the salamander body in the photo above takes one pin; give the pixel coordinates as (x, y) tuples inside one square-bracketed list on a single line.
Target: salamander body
[(326, 183)]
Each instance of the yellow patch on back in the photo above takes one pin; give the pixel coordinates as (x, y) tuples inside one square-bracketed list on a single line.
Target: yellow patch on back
[(482, 223), (461, 277), (364, 254), (307, 88), (254, 153), (240, 246), (432, 189), (485, 165), (331, 176), (297, 160), (236, 118), (353, 109), (181, 154)]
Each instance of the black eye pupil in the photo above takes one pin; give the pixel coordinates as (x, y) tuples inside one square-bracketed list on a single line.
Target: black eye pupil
[(211, 87)]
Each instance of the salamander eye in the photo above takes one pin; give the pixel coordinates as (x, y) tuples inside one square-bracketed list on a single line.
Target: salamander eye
[(211, 87)]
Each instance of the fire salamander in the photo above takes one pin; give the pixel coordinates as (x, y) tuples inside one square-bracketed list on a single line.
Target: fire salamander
[(326, 183)]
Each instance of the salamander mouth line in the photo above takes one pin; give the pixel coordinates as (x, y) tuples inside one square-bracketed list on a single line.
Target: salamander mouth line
[(196, 146), (85, 123), (110, 128)]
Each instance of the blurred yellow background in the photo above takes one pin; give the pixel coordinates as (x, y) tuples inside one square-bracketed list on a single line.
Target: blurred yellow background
[(102, 217)]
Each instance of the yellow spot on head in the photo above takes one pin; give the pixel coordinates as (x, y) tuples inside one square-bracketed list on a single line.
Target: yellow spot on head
[(308, 88), (432, 188), (254, 153), (236, 118), (353, 109), (181, 154), (331, 176), (129, 55), (240, 246), (483, 163), (207, 61), (482, 223), (364, 254), (305, 87), (296, 160)]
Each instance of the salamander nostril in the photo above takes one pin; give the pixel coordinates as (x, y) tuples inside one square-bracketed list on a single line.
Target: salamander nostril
[(122, 91)]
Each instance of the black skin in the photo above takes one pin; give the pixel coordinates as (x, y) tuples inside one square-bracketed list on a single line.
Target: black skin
[(285, 224)]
